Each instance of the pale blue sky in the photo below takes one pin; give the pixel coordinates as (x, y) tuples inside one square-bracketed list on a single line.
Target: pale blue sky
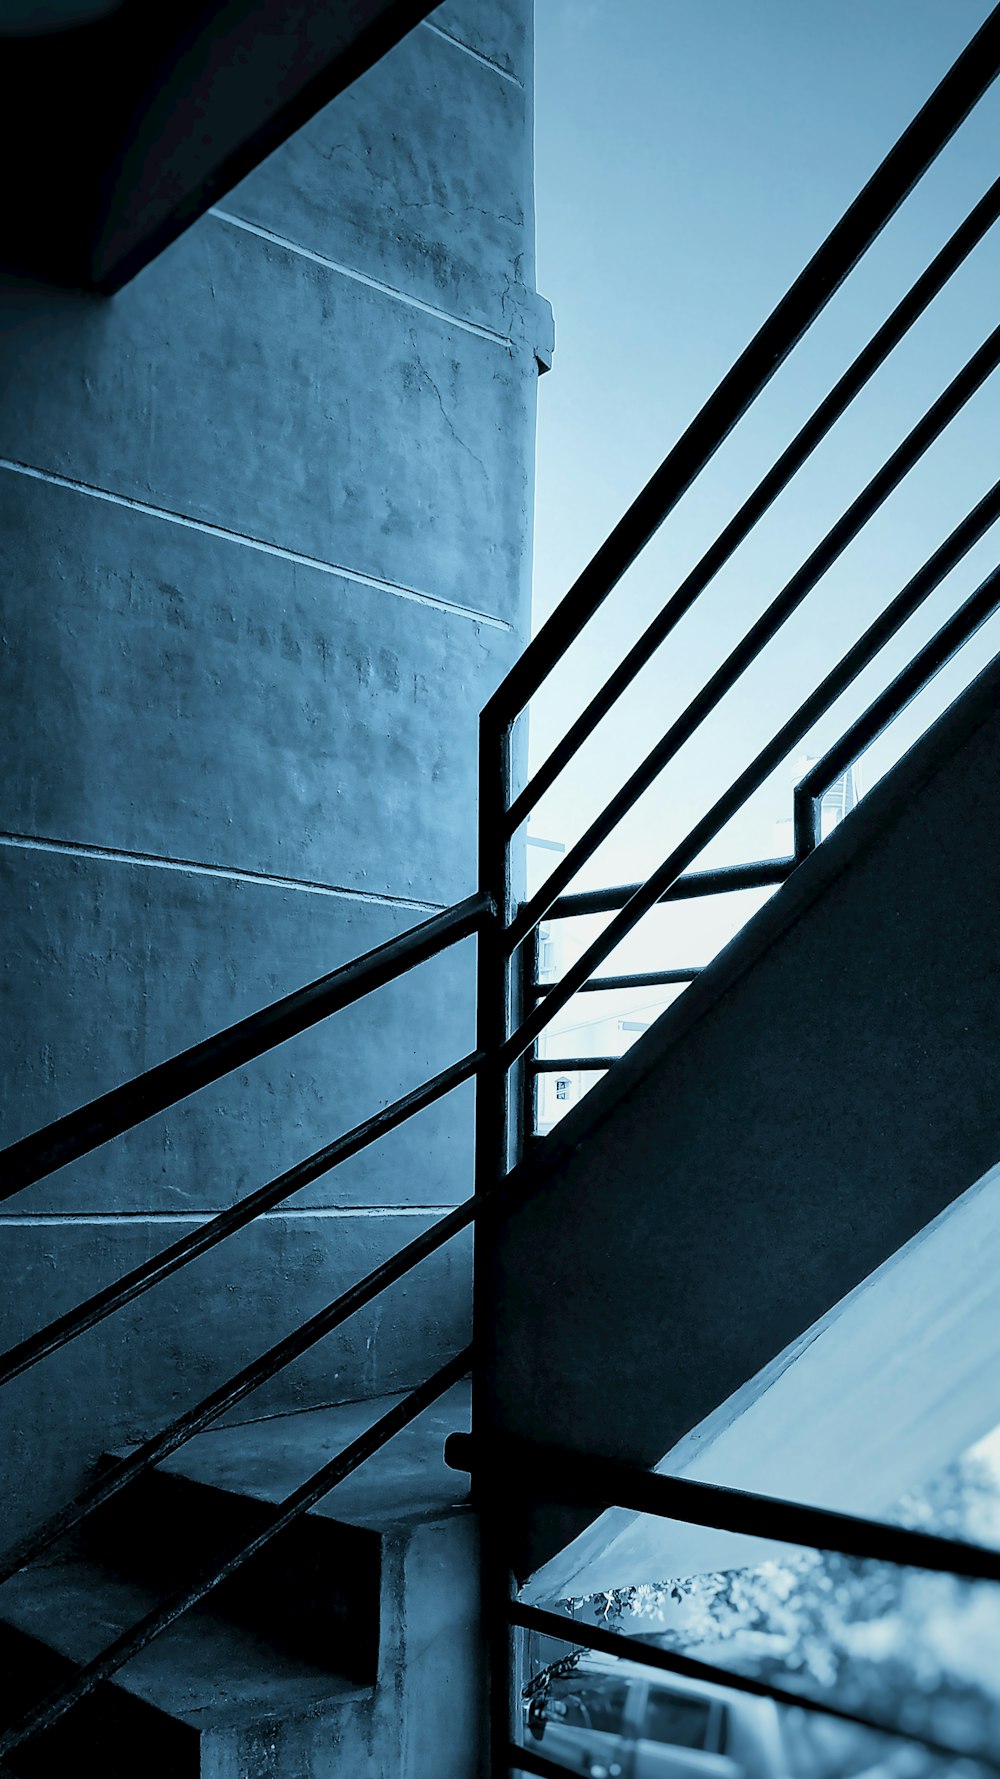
[(690, 156)]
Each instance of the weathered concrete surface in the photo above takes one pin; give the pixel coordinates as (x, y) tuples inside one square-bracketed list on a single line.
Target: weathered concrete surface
[(111, 967), (501, 31), (893, 1384), (826, 1090), (245, 650), (129, 1376), (430, 136), (195, 700), (241, 384)]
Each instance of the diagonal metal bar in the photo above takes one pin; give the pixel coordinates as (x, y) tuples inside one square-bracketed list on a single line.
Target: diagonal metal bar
[(967, 236), (973, 527), (980, 366), (552, 1624), (140, 1635), (235, 1389), (919, 145), (57, 1333), (76, 1134), (928, 662)]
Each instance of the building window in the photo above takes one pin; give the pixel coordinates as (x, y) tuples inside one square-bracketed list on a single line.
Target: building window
[(563, 1085)]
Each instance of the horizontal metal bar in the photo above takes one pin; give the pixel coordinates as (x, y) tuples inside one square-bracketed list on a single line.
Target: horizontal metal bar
[(528, 1760), (56, 1334), (723, 881), (967, 236), (140, 1635), (66, 1139), (235, 1389), (647, 979), (918, 146), (560, 1065), (791, 734), (668, 1661), (884, 709), (548, 1472), (919, 440)]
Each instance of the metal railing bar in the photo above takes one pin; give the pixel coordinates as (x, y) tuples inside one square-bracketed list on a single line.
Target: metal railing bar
[(788, 736), (723, 881), (557, 1065), (919, 145), (935, 655), (941, 412), (966, 237), (77, 1133), (58, 1333), (552, 1624), (550, 1472), (527, 1760), (235, 1389), (307, 1495), (646, 979)]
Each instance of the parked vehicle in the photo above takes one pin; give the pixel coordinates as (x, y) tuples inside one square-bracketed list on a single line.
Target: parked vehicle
[(613, 1719)]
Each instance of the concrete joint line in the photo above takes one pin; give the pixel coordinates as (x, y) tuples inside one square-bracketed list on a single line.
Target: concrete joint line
[(396, 588), (390, 290), (476, 54), (125, 1219), (194, 867)]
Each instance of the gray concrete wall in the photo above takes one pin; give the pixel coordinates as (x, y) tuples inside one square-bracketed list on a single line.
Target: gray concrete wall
[(827, 1087), (265, 522)]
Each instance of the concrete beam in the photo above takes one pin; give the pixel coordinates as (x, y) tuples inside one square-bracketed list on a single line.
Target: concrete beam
[(126, 126)]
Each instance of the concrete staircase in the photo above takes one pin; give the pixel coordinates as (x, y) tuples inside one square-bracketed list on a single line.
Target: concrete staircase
[(348, 1648), (824, 1091)]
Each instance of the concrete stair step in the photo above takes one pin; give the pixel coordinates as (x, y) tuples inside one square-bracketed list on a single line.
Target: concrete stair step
[(350, 1650), (319, 1591), (206, 1700)]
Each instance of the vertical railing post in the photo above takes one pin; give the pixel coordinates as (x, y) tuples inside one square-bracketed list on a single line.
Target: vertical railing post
[(493, 1158), (807, 819), (525, 1077)]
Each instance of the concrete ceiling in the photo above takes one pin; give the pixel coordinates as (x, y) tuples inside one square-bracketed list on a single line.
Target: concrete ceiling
[(122, 122)]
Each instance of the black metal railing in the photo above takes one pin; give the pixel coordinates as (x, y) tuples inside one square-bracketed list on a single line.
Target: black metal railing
[(79, 1133), (514, 1007), (532, 1472)]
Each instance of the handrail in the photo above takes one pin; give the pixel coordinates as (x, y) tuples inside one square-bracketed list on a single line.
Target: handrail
[(967, 236), (589, 1479), (973, 374), (919, 145), (883, 710), (227, 1395), (787, 737), (58, 1333), (68, 1138), (668, 1661), (138, 1636)]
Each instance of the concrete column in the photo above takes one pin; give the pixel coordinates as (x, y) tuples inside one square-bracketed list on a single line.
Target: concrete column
[(266, 529)]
